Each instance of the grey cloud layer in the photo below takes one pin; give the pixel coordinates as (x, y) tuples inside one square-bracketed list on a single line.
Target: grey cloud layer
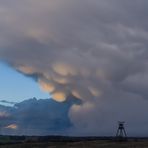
[(95, 49)]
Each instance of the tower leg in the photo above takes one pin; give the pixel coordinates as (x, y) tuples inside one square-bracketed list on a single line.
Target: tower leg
[(121, 133)]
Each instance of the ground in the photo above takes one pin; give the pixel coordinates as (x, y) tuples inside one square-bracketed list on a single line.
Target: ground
[(81, 144)]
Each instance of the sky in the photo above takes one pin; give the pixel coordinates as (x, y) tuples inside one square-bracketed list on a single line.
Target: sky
[(93, 51), (15, 87)]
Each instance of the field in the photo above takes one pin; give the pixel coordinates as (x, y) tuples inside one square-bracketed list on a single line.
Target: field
[(63, 142)]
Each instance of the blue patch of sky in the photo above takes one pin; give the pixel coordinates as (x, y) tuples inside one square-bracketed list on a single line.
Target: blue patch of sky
[(16, 87)]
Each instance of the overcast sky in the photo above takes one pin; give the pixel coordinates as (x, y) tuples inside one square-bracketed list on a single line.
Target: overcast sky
[(95, 50)]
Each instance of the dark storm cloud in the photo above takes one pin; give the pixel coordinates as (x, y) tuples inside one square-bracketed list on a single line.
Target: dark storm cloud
[(94, 49), (34, 116)]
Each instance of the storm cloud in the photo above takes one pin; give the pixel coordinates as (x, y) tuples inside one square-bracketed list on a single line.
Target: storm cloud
[(95, 50), (37, 117)]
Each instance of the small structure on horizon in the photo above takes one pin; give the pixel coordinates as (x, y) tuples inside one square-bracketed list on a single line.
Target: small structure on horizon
[(121, 133)]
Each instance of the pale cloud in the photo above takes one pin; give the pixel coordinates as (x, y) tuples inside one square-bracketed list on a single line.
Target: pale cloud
[(12, 126)]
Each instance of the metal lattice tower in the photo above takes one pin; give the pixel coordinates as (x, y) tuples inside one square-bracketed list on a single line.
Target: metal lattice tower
[(121, 133)]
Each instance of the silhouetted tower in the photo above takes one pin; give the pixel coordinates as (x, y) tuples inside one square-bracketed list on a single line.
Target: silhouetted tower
[(121, 133)]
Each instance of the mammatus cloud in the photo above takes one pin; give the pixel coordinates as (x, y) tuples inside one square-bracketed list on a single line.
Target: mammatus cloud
[(95, 50)]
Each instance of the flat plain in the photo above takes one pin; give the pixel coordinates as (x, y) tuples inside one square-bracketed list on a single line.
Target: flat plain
[(81, 144)]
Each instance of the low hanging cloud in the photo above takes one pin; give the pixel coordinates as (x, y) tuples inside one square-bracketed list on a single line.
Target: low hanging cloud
[(37, 117), (95, 50)]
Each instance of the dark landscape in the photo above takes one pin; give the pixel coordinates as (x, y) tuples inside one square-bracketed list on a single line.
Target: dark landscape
[(70, 142)]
